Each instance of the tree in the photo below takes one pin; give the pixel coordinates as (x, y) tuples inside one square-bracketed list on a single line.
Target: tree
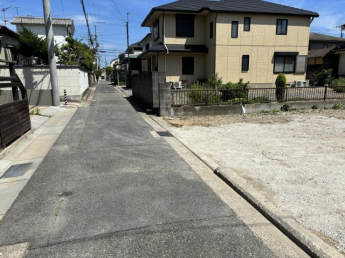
[(74, 52), (30, 45), (108, 70)]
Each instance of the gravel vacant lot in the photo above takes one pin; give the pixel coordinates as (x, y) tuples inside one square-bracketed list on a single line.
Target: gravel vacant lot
[(296, 159)]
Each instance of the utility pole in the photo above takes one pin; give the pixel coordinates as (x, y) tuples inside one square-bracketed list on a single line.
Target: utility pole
[(96, 47), (127, 69), (51, 53), (341, 27), (4, 15), (87, 23)]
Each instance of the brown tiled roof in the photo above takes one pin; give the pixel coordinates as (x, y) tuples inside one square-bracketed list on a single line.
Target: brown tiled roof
[(320, 52)]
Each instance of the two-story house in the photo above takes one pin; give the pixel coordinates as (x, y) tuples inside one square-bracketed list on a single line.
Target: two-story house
[(62, 28), (322, 55), (250, 39)]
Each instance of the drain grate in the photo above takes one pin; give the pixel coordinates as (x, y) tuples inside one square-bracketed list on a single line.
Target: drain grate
[(165, 134), (17, 170)]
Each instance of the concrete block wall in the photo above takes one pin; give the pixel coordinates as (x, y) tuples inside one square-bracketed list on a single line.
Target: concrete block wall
[(145, 87), (36, 80)]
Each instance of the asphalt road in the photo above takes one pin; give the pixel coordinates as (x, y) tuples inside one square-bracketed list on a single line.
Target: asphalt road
[(108, 188)]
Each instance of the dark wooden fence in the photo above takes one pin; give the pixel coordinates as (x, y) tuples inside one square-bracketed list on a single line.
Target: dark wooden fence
[(14, 117)]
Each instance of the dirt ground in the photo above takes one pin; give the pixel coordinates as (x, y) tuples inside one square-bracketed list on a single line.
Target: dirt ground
[(296, 159)]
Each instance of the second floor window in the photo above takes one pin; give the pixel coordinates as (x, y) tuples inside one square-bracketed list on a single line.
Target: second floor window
[(211, 30), (246, 26), (234, 29), (185, 25), (282, 26), (156, 30), (325, 46)]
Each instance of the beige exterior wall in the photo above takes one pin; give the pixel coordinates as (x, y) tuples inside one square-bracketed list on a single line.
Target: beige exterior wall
[(259, 43), (174, 67), (199, 31)]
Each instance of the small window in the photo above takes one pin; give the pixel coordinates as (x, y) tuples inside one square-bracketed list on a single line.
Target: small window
[(234, 29), (187, 65), (282, 26), (211, 30), (325, 46), (246, 26), (245, 63), (185, 25), (156, 30), (284, 64), (147, 46)]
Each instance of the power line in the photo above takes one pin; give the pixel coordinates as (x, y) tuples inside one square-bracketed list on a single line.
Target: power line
[(63, 11)]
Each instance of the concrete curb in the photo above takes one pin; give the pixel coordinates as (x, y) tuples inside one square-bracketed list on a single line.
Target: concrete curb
[(310, 243), (15, 143)]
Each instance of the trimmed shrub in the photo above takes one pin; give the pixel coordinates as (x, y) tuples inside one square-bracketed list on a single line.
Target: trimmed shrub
[(237, 90), (324, 77), (339, 84), (280, 87), (214, 81)]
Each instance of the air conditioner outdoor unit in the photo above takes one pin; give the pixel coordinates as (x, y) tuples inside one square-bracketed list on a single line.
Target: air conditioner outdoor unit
[(177, 85), (299, 84)]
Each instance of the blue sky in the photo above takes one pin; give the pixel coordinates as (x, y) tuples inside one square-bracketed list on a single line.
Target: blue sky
[(109, 16)]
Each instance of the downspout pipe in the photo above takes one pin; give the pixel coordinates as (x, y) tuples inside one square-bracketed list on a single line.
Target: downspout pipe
[(164, 45), (215, 43)]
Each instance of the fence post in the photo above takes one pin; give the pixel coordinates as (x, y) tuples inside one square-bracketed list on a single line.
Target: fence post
[(325, 95), (207, 97), (247, 90)]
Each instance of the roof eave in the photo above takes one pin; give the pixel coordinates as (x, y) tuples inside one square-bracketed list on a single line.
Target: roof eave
[(310, 14)]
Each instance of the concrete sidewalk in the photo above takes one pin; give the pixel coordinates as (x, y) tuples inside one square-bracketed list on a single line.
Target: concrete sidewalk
[(26, 155), (112, 186)]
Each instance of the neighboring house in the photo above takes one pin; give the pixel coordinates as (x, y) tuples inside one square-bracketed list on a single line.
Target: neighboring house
[(321, 55), (134, 63), (255, 41), (340, 51), (62, 28), (8, 44), (146, 44), (320, 41)]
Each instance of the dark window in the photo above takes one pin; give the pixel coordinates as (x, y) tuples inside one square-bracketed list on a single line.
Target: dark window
[(282, 26), (187, 65), (246, 26), (325, 46), (211, 30), (245, 63), (185, 25), (234, 29), (284, 64), (147, 46), (156, 30)]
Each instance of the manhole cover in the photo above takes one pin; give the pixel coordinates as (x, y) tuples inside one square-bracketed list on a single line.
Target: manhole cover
[(64, 194), (17, 170), (164, 134)]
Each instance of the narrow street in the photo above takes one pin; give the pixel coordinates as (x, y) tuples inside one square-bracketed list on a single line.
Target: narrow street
[(109, 188)]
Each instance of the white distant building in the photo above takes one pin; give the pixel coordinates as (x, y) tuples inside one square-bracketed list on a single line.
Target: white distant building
[(61, 27)]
